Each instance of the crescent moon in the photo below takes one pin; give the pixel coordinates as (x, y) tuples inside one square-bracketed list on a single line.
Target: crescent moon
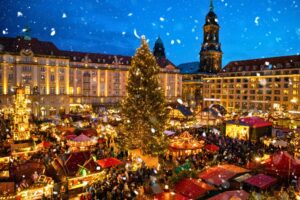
[(135, 34)]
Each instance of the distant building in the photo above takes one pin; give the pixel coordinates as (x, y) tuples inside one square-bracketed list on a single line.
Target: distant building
[(57, 80), (268, 84)]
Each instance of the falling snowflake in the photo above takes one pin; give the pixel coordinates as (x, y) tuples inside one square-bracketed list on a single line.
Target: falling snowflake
[(64, 15), (298, 31), (123, 33), (162, 19), (178, 41), (19, 14), (172, 42), (278, 39), (53, 32), (130, 14), (256, 21), (5, 31)]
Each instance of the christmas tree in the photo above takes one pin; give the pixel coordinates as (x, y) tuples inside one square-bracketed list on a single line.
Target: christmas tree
[(144, 109)]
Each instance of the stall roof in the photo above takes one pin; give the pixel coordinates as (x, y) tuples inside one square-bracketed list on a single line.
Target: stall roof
[(169, 196), (192, 188), (282, 164), (230, 195), (261, 181), (109, 162), (186, 111), (219, 174), (255, 122)]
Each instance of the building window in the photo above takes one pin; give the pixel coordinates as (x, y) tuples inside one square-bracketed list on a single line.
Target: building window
[(42, 69), (27, 78), (268, 98), (61, 78), (42, 77), (10, 77), (276, 98), (52, 90), (61, 90), (26, 68), (277, 92), (52, 77)]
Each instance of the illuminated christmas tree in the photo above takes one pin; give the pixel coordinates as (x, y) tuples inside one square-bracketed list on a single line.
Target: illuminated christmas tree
[(144, 109), (20, 117)]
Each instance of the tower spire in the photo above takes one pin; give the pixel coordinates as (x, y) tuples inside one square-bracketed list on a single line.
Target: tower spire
[(211, 7), (26, 32)]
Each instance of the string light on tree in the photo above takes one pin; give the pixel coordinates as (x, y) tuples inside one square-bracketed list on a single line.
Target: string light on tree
[(144, 109)]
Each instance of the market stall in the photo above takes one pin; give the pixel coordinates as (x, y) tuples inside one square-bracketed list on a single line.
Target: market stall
[(212, 148), (248, 128), (109, 162), (220, 174), (261, 181), (282, 164), (193, 188), (231, 195), (169, 196)]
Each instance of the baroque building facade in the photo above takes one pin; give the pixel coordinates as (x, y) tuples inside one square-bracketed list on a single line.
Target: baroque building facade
[(57, 80), (267, 85)]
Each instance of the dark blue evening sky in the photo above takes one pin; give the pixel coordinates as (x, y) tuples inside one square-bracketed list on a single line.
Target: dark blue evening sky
[(249, 28)]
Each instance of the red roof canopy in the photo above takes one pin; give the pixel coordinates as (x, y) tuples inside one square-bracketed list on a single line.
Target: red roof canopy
[(109, 162), (218, 174), (240, 194), (192, 188), (169, 196), (212, 147), (261, 181), (282, 164), (256, 122), (46, 144)]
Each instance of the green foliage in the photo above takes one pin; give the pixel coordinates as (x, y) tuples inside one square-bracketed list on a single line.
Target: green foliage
[(144, 109)]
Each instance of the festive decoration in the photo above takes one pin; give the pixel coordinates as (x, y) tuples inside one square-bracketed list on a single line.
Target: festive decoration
[(21, 117), (145, 113), (185, 144)]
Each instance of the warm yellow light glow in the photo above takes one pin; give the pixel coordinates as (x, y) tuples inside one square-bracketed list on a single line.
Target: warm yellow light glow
[(166, 84), (56, 81), (294, 100), (67, 79), (47, 80), (98, 83), (5, 80), (106, 83), (175, 82), (237, 131)]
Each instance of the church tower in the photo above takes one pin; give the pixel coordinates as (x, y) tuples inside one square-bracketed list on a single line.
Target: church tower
[(159, 49), (211, 53)]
